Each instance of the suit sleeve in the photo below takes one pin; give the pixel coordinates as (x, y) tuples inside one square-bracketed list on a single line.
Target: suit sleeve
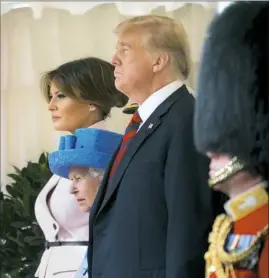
[(189, 205)]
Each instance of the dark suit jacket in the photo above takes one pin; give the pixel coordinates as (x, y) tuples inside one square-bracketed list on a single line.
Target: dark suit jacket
[(152, 219)]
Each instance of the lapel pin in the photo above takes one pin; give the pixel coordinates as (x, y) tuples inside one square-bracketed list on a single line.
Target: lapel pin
[(150, 126)]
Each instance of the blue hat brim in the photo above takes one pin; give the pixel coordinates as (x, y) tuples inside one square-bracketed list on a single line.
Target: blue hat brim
[(60, 162)]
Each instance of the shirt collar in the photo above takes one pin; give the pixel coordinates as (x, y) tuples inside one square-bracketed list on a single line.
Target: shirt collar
[(154, 100)]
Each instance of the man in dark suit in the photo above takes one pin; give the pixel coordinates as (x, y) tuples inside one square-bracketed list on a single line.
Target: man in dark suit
[(153, 211)]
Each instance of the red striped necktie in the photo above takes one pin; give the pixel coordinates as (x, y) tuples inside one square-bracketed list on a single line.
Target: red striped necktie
[(128, 136)]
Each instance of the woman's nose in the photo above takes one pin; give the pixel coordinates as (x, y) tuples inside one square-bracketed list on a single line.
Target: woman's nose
[(52, 105), (73, 188)]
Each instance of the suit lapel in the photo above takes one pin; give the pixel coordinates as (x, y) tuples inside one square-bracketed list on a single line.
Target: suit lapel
[(103, 186), (108, 187), (139, 138)]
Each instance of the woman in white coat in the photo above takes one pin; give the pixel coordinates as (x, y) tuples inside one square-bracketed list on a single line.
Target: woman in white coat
[(80, 94), (83, 159)]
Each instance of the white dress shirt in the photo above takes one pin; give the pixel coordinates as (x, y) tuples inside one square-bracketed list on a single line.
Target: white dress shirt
[(152, 102)]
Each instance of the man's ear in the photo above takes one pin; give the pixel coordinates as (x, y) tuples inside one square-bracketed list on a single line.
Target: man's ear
[(160, 61)]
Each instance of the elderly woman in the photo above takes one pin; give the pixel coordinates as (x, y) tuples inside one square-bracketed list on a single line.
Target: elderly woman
[(80, 94), (83, 158)]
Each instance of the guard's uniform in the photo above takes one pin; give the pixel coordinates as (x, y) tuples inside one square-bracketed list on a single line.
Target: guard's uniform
[(232, 121), (245, 252)]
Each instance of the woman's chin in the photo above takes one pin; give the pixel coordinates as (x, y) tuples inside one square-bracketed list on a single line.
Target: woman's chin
[(84, 208), (59, 127)]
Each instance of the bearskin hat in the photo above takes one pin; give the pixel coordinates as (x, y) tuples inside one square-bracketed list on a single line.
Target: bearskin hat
[(231, 115)]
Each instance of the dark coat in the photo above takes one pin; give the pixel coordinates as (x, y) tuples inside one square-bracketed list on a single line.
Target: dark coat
[(152, 219)]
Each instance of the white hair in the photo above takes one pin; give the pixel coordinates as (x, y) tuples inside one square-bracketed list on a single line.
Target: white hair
[(96, 173)]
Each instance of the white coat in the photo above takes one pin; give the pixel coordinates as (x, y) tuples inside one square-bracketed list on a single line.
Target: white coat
[(61, 261)]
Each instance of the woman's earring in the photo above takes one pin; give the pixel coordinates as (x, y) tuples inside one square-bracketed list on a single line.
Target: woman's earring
[(92, 108)]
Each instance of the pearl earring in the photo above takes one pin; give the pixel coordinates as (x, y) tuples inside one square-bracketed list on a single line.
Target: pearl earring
[(92, 108)]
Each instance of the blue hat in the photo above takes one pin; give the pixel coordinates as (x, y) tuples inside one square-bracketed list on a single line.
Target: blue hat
[(88, 147)]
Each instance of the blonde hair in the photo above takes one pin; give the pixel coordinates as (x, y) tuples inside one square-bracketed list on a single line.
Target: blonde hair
[(162, 33)]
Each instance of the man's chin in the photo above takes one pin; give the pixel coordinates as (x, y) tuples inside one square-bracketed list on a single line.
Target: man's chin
[(218, 187), (118, 84), (120, 87)]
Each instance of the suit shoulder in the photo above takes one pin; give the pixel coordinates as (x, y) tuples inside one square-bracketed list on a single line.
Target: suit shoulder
[(184, 104), (182, 111)]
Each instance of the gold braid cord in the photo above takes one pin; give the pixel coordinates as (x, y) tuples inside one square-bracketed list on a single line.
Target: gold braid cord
[(226, 172), (220, 261)]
